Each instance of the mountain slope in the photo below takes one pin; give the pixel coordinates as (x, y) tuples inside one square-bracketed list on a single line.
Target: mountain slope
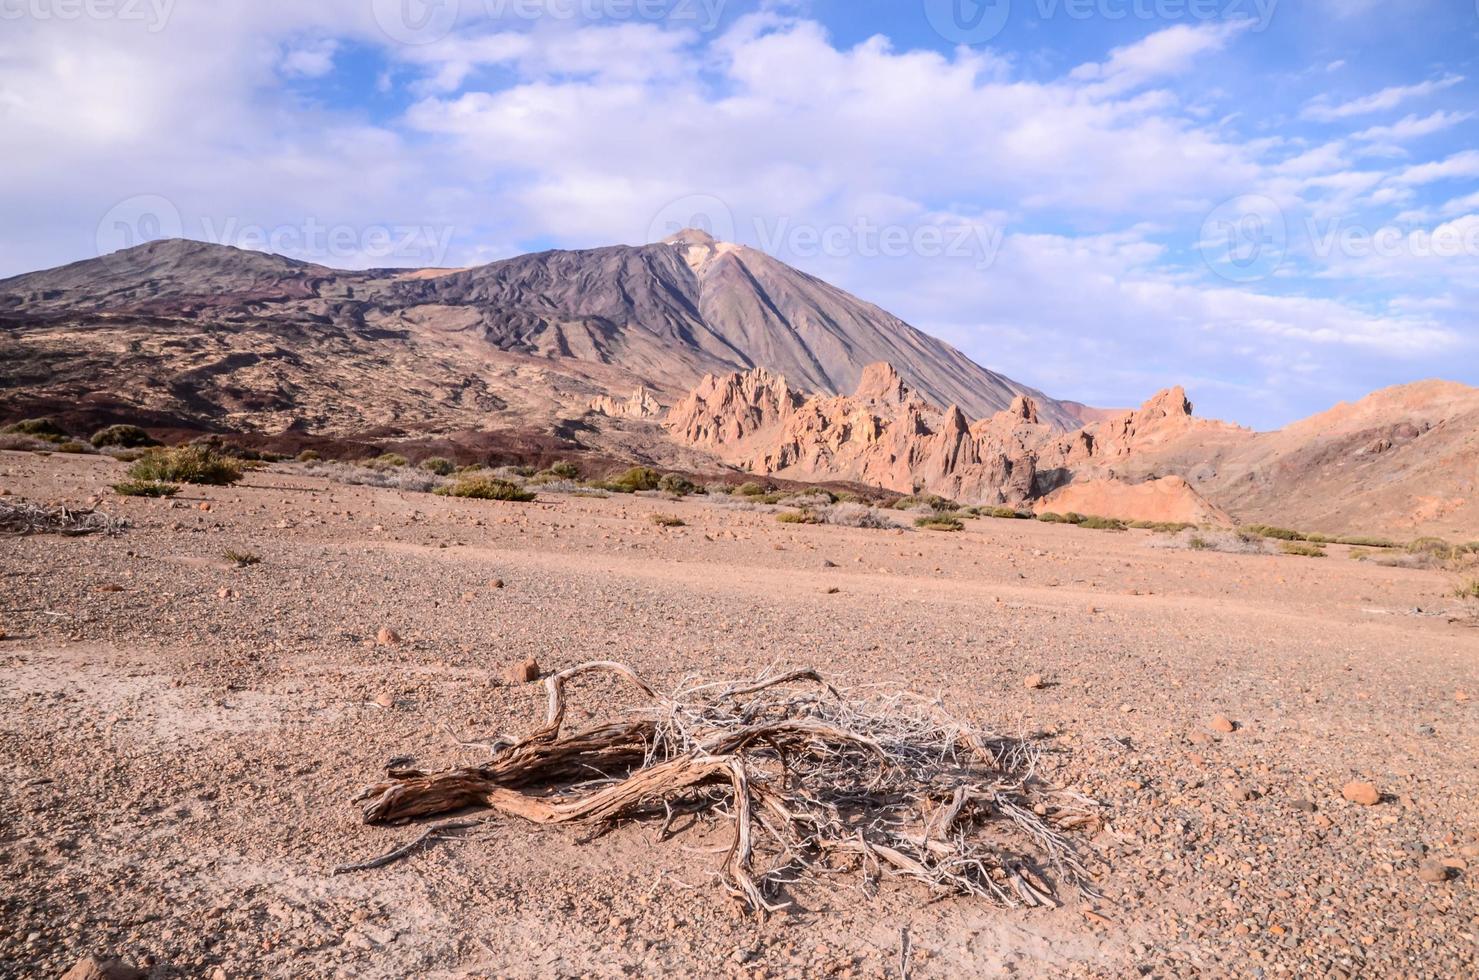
[(208, 336)]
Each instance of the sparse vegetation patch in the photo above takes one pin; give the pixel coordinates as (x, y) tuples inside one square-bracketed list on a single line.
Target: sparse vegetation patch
[(145, 488), (486, 488), (186, 464)]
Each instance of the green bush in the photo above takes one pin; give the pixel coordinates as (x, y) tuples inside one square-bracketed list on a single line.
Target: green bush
[(1102, 524), (933, 501), (122, 436), (1434, 547), (1319, 539), (1277, 533), (668, 520), (1005, 513), (71, 446), (1048, 517), (1302, 550), (186, 464), (486, 488), (438, 465), (145, 488), (940, 522), (309, 456), (37, 429), (798, 517), (386, 461), (676, 484), (749, 490), (565, 470), (634, 480), (1363, 542)]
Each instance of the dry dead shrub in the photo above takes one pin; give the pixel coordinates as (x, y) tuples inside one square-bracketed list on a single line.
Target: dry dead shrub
[(23, 517), (813, 780)]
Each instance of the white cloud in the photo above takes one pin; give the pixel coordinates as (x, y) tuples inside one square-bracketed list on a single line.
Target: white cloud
[(1164, 54), (1321, 110), (1412, 127), (313, 59), (1463, 164)]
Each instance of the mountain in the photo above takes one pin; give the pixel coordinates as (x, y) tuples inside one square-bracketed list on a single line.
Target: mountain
[(208, 337), (1404, 460)]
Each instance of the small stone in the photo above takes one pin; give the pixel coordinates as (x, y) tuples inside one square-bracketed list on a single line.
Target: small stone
[(1033, 682), (1433, 872), (834, 590), (224, 593), (1426, 731), (387, 637), (205, 506), (1199, 738), (385, 700), (524, 672), (93, 968), (829, 564), (1304, 806), (497, 583), (1222, 724), (1366, 794)]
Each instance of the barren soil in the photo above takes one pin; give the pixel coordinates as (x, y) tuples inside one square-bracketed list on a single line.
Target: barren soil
[(180, 738)]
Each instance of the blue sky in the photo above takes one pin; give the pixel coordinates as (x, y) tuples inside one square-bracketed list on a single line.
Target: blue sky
[(1275, 204)]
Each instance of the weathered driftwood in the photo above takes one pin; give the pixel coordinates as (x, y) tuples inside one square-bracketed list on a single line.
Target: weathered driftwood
[(805, 772), (24, 518)]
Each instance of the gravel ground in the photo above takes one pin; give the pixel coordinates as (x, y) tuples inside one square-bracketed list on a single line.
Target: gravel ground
[(182, 736)]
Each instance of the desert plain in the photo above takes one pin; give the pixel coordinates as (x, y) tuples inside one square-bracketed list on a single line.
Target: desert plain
[(181, 736)]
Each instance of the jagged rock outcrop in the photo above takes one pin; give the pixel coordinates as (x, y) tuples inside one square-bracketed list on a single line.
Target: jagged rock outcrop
[(886, 435), (640, 404)]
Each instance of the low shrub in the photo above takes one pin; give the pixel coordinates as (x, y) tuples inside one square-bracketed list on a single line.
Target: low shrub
[(73, 446), (37, 429), (565, 470), (1363, 542), (940, 522), (798, 517), (635, 480), (928, 501), (1102, 524), (1229, 542), (241, 559), (310, 456), (1163, 527), (438, 465), (857, 515), (1048, 517), (676, 484), (1277, 533), (1433, 547), (122, 437), (668, 520), (1006, 513), (1302, 550), (1468, 590), (186, 464), (387, 461), (145, 488), (750, 489), (486, 488)]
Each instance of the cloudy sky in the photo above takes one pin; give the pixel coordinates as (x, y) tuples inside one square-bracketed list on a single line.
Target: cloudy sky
[(1273, 203)]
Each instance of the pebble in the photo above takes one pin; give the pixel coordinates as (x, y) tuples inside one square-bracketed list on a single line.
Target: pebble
[(1433, 872), (1032, 682), (524, 672), (1222, 724), (387, 637), (1366, 794), (497, 583)]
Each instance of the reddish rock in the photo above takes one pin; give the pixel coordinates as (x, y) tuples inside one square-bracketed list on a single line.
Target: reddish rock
[(1366, 794), (387, 637), (93, 968), (1223, 724), (524, 672), (1032, 682)]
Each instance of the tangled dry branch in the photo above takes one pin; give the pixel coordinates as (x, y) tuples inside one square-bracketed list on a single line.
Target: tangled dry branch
[(811, 777), (24, 517)]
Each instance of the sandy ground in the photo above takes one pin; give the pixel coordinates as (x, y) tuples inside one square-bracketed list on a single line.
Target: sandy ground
[(180, 738)]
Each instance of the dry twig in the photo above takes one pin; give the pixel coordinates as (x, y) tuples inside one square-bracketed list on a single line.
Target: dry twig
[(23, 517), (806, 772)]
